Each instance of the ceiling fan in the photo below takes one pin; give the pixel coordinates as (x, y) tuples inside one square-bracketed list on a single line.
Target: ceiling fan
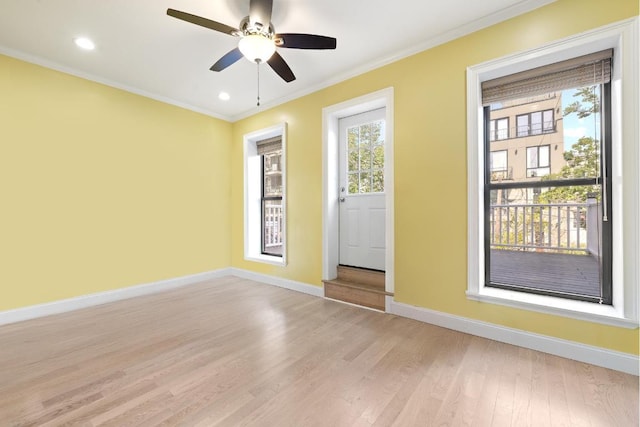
[(258, 39)]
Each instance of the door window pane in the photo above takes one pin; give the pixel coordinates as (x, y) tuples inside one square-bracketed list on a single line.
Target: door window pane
[(365, 160)]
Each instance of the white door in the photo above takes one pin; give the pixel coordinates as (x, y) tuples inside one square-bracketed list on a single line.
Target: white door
[(362, 198)]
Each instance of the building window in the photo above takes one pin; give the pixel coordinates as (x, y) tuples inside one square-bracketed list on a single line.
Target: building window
[(535, 123), (265, 195), (498, 165), (538, 161), (499, 129)]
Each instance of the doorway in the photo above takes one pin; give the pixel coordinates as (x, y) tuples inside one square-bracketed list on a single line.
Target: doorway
[(382, 101)]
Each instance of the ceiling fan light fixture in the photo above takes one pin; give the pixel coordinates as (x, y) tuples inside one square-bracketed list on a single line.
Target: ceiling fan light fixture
[(257, 47)]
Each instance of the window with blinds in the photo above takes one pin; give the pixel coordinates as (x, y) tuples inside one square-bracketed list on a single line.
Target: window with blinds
[(272, 218), (547, 216)]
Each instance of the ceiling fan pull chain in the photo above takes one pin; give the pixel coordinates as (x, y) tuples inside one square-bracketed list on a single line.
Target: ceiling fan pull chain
[(258, 73)]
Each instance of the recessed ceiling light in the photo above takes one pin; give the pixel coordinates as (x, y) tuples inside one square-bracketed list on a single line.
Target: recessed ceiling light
[(224, 96), (84, 43)]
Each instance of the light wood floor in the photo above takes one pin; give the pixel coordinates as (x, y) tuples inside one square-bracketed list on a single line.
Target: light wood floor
[(233, 352)]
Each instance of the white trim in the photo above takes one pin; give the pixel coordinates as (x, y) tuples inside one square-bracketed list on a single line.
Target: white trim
[(623, 38), (99, 298), (330, 185), (610, 359), (292, 285), (252, 195)]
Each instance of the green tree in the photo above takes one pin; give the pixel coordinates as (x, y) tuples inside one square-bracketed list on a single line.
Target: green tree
[(583, 160), (588, 104)]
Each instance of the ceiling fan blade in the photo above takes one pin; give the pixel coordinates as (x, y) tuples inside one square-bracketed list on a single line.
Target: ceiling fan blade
[(281, 68), (203, 22), (229, 58), (305, 41), (260, 11)]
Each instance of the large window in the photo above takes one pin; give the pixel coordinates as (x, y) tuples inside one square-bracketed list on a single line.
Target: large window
[(536, 244), (551, 217)]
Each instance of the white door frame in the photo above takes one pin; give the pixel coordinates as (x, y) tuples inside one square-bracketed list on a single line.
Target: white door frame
[(330, 180)]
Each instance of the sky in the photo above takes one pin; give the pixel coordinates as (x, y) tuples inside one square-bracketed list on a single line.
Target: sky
[(575, 128)]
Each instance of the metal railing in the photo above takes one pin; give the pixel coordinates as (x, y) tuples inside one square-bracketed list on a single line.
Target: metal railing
[(272, 225), (512, 132), (554, 227)]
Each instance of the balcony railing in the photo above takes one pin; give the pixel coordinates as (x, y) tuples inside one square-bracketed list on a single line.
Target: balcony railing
[(522, 131), (561, 227), (272, 226)]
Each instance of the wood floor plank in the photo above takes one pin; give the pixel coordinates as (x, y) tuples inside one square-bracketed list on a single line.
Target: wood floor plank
[(233, 352)]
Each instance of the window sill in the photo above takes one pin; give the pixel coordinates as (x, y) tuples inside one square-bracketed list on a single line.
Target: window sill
[(580, 310), (266, 259)]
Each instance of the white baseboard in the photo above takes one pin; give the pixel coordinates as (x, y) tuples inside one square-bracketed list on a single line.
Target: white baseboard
[(611, 359), (84, 301), (317, 291)]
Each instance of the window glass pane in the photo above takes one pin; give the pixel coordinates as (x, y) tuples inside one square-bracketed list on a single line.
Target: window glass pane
[(532, 157), (536, 123), (492, 130), (365, 157), (378, 157), (353, 161), (365, 182), (377, 132), (543, 156), (365, 136), (352, 137), (546, 239), (378, 181), (354, 183), (272, 227), (503, 129), (523, 125), (567, 124), (547, 120), (272, 174)]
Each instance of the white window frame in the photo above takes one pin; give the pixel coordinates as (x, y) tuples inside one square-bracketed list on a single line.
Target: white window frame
[(253, 196), (623, 38)]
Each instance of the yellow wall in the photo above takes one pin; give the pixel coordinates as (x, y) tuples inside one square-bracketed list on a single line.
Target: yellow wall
[(430, 149), (102, 189)]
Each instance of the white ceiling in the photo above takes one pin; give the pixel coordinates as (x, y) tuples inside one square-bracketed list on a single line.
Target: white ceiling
[(141, 49)]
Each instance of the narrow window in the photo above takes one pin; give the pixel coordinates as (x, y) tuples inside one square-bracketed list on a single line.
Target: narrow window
[(270, 152), (549, 228)]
